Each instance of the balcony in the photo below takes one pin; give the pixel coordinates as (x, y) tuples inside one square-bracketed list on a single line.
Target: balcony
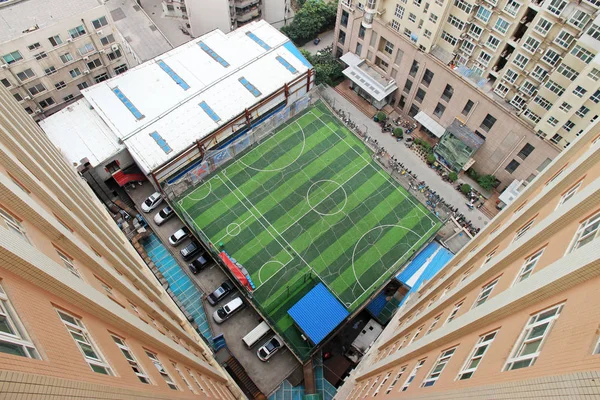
[(247, 14), (246, 3)]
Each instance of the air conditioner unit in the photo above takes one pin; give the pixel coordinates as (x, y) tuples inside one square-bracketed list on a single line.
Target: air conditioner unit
[(27, 97), (99, 32), (69, 40), (114, 47), (4, 66), (86, 58), (101, 51), (38, 111), (86, 71)]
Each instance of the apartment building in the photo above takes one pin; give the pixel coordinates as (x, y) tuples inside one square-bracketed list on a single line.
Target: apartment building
[(530, 66), (81, 315), (52, 49), (514, 314)]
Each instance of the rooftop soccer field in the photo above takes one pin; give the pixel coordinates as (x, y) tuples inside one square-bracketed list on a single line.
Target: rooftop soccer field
[(309, 204)]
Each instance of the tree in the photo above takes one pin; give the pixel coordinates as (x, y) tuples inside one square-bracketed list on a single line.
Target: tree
[(465, 188), (314, 17), (430, 158), (453, 176), (328, 69), (398, 132), (487, 182)]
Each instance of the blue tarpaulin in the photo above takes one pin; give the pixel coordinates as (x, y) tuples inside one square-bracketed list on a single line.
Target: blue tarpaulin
[(318, 313)]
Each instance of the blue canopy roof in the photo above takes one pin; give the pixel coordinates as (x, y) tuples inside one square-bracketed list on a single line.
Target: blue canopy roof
[(318, 313)]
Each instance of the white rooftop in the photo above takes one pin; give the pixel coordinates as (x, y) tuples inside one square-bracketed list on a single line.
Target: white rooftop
[(157, 103), (90, 138), (19, 16)]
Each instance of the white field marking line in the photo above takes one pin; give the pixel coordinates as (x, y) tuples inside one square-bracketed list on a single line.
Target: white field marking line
[(207, 194), (326, 197), (392, 267), (240, 225), (366, 233), (241, 160), (270, 262), (378, 170)]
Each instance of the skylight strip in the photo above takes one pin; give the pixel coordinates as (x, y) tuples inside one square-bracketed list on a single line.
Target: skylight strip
[(136, 113), (173, 75), (213, 115), (258, 40), (213, 54), (251, 88), (286, 64), (162, 143)]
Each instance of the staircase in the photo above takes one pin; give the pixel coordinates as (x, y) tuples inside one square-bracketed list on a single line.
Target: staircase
[(238, 373), (122, 178)]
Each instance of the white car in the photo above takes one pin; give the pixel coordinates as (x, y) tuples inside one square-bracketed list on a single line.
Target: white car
[(268, 349), (176, 238), (228, 310), (163, 215), (151, 202)]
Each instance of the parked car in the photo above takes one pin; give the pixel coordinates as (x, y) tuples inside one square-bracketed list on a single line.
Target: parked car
[(220, 293), (199, 264), (190, 250), (163, 215), (317, 41), (267, 350), (176, 238), (225, 312), (151, 202)]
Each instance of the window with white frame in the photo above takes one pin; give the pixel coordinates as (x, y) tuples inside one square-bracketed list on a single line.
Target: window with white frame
[(68, 262), (183, 378), (543, 26), (512, 7), (518, 101), (483, 14), (530, 115), (556, 7), (520, 60), (438, 367), (433, 18), (163, 372), (412, 375), (554, 87), (551, 57), (492, 42), (528, 87), (464, 6), (416, 335), (446, 290), (476, 356), (524, 229), (542, 102), (433, 324), (539, 73), (529, 345), (196, 381), (485, 293), (13, 224), (568, 72), (584, 55), (372, 386), (587, 232), (454, 311), (128, 354), (531, 44), (412, 17), (501, 25), (86, 345), (565, 107), (399, 11), (467, 47), (501, 90), (579, 19), (383, 382), (14, 338), (595, 97), (594, 31), (594, 74), (582, 111), (568, 126), (466, 273), (528, 266), (564, 39), (510, 76), (484, 57), (427, 33), (475, 31), (396, 379), (579, 91)]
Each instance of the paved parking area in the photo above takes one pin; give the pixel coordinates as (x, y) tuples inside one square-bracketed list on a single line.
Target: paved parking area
[(266, 375)]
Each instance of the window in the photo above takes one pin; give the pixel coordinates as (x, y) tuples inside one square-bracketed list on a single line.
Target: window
[(74, 73), (568, 126), (596, 96), (483, 14), (361, 32), (412, 375), (501, 25), (438, 367), (556, 7), (77, 31), (467, 47), (120, 69), (417, 333), (13, 224), (464, 6), (525, 151), (29, 110), (512, 166), (520, 60), (467, 108), (539, 73), (583, 54), (106, 40), (60, 85), (41, 55), (528, 87), (47, 102), (66, 58), (529, 345), (412, 17), (456, 22), (556, 138), (68, 262), (433, 18), (433, 324), (501, 90), (99, 23), (154, 358), (512, 7), (12, 57), (528, 266), (396, 379), (50, 70), (94, 64), (523, 229), (476, 356), (399, 11), (531, 44), (544, 103), (555, 87), (475, 31), (14, 339), (594, 31), (183, 378), (594, 74), (420, 95), (487, 123), (449, 38), (485, 293), (342, 37), (439, 110), (579, 91), (128, 354), (484, 57), (564, 39), (55, 40), (551, 57), (88, 349), (26, 74), (18, 97), (34, 46), (543, 26), (86, 48), (568, 72), (6, 82), (588, 230), (454, 311), (583, 110), (114, 55), (448, 93), (407, 86), (579, 19), (82, 85), (68, 97)]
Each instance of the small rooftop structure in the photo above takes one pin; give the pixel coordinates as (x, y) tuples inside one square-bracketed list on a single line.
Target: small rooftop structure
[(457, 146), (372, 82), (165, 105), (18, 17), (318, 313)]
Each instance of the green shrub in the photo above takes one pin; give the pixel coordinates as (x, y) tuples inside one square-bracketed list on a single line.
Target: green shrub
[(314, 17), (488, 182), (381, 116), (398, 132), (473, 174), (453, 176), (465, 188), (430, 158)]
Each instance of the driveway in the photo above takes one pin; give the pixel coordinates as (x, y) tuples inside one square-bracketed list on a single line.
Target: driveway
[(266, 375), (409, 159), (326, 40)]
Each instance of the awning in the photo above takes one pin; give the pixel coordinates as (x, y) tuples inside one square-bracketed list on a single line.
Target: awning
[(430, 124), (371, 81)]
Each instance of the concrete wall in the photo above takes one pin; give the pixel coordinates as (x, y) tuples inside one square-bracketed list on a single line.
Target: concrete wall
[(205, 16)]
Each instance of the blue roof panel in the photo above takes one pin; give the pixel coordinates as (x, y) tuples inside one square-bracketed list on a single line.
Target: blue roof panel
[(376, 306), (318, 313), (417, 262)]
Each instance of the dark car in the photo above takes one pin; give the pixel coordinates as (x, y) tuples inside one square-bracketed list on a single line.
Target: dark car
[(220, 293), (190, 250), (199, 263)]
